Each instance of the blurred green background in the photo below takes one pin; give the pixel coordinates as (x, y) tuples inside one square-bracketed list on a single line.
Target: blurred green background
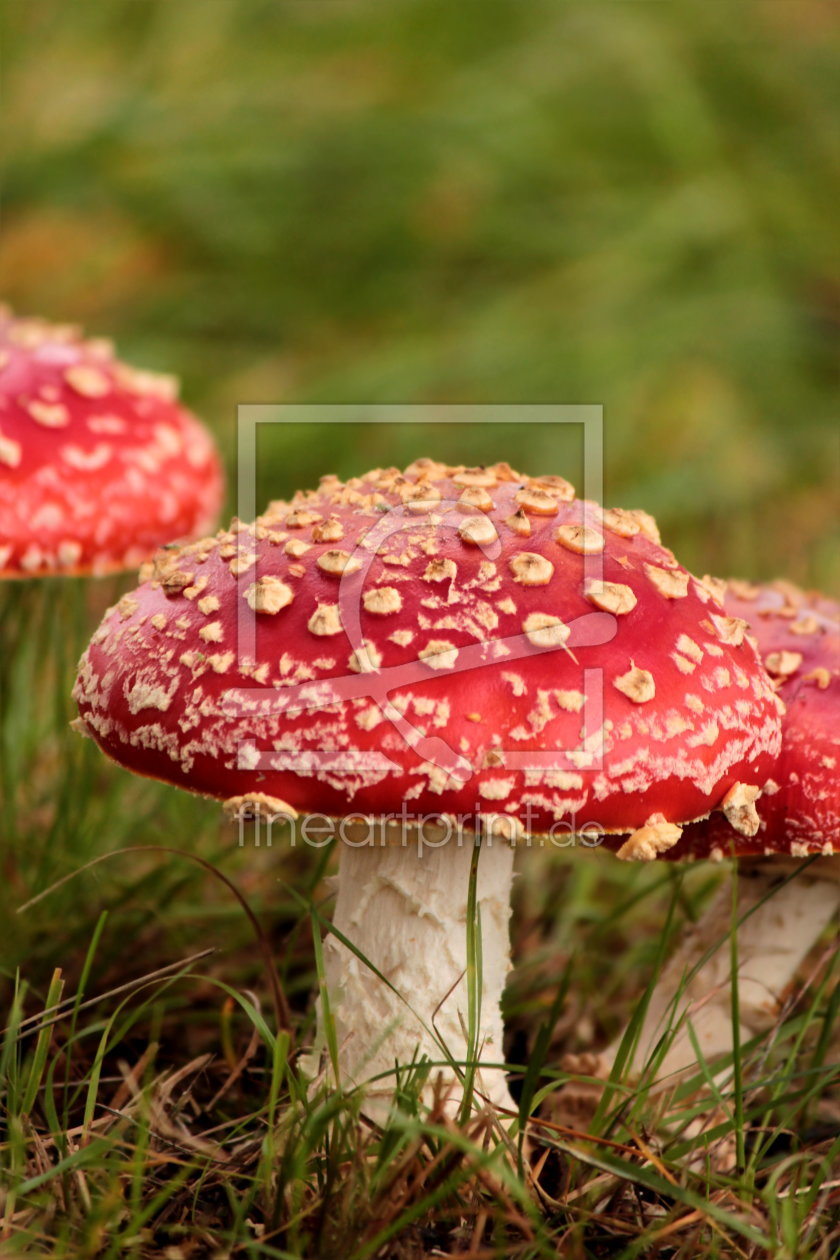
[(625, 203)]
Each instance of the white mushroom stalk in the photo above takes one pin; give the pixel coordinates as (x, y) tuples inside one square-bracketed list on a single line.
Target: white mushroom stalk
[(782, 911), (405, 909)]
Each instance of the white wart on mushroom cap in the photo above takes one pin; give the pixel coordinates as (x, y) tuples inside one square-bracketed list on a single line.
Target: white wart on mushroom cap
[(798, 638), (99, 464), (451, 639)]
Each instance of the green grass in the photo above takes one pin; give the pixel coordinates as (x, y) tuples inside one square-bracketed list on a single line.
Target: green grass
[(622, 203), (130, 1128), (152, 1094)]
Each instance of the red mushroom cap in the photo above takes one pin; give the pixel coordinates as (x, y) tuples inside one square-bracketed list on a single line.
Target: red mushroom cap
[(98, 463), (447, 640), (798, 638)]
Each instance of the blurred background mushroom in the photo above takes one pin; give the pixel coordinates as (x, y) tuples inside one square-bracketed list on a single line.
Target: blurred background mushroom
[(99, 465)]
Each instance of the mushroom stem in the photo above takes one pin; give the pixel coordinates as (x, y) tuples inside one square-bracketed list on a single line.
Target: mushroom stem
[(778, 924), (405, 909)]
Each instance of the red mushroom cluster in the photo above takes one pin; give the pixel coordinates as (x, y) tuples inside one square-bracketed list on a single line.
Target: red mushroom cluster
[(466, 645), (98, 461)]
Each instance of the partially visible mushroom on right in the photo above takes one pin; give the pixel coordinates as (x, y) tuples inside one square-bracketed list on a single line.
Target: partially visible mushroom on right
[(788, 871)]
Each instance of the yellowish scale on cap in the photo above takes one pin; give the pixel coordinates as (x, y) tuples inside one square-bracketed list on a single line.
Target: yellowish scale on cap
[(268, 595), (637, 684), (478, 531), (669, 582), (11, 451), (337, 563), (545, 630), (484, 477), (729, 630), (496, 789), (519, 524), (296, 547), (618, 521), (257, 805), (106, 424), (688, 647), (646, 843), (424, 468), (127, 606), (86, 460), (69, 552), (536, 502), (711, 586), (382, 600), (87, 381), (50, 415), (299, 518), (242, 562), (366, 659), (476, 497), (401, 559), (330, 530), (212, 632), (530, 569), (418, 498), (581, 539), (174, 580), (611, 597), (325, 620), (783, 664), (197, 587), (559, 487), (739, 808), (570, 701), (151, 384), (439, 654), (648, 527), (440, 570), (276, 511)]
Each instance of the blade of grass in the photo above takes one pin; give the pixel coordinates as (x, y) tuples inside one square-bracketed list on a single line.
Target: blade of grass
[(42, 1046)]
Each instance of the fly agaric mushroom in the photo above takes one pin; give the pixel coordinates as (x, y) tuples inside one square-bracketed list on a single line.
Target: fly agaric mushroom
[(782, 909), (98, 462), (479, 648)]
